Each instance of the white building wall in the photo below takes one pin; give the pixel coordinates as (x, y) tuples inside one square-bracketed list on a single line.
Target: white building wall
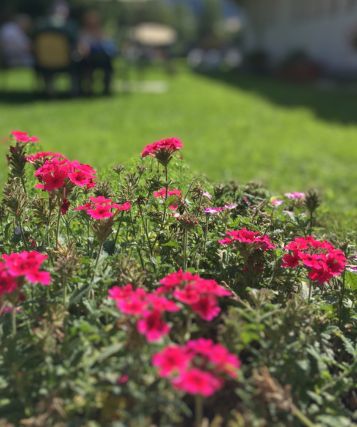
[(325, 29)]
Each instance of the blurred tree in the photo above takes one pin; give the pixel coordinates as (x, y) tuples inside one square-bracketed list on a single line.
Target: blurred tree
[(209, 26)]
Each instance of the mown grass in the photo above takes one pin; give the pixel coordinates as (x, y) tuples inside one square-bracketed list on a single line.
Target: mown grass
[(240, 127)]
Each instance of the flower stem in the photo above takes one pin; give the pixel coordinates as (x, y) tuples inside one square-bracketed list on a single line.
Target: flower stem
[(13, 321), (198, 410), (301, 417), (185, 243), (310, 291), (57, 224), (340, 304)]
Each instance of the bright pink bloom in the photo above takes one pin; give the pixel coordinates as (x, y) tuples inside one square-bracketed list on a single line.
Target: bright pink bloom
[(198, 367), (102, 208), (322, 260), (57, 172), (8, 283), (163, 149), (201, 295), (23, 137), (153, 326), (248, 237), (171, 360), (43, 156), (217, 210), (163, 194), (198, 382), (27, 264)]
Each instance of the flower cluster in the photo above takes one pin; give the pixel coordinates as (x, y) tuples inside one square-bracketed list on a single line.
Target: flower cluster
[(23, 137), (322, 260), (162, 150), (174, 194), (57, 172), (147, 307), (199, 367), (42, 156), (101, 208), (201, 295), (248, 237), (22, 265)]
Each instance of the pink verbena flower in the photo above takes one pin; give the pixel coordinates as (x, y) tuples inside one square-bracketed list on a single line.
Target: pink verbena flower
[(102, 208), (27, 264), (198, 367), (321, 259), (148, 308), (58, 172), (201, 295), (198, 382), (248, 237), (172, 359), (162, 150), (23, 137), (218, 210), (8, 283), (42, 156)]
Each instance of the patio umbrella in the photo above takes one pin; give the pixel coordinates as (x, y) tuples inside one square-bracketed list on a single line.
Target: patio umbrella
[(154, 35)]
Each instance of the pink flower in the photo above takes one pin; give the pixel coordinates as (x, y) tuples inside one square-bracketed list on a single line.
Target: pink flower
[(248, 237), (295, 195), (201, 295), (198, 382), (320, 258), (42, 156), (123, 379), (162, 150), (102, 208), (26, 264), (153, 326), (199, 367), (57, 172), (217, 210), (171, 360), (164, 194), (23, 137)]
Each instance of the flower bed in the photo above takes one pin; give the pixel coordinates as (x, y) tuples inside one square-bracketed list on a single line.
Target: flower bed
[(148, 297)]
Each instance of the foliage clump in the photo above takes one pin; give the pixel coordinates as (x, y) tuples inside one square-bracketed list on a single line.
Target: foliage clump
[(154, 298)]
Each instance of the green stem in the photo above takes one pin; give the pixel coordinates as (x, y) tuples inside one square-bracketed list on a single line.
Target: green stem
[(118, 229), (97, 260), (23, 184), (13, 321), (310, 291), (198, 410), (57, 224), (185, 244), (301, 417), (342, 295)]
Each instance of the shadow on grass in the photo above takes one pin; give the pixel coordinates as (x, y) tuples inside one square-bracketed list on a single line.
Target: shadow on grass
[(328, 101), (26, 97)]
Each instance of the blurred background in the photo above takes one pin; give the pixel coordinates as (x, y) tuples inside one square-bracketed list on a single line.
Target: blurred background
[(257, 90)]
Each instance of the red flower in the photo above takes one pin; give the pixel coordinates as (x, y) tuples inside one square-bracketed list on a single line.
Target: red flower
[(162, 150), (23, 137)]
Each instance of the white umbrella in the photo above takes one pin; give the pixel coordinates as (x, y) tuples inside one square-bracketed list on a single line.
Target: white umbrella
[(154, 35)]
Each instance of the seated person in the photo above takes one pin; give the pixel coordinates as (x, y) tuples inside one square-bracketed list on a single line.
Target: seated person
[(97, 52), (15, 45)]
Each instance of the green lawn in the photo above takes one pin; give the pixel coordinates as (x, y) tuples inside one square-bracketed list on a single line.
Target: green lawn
[(289, 137)]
